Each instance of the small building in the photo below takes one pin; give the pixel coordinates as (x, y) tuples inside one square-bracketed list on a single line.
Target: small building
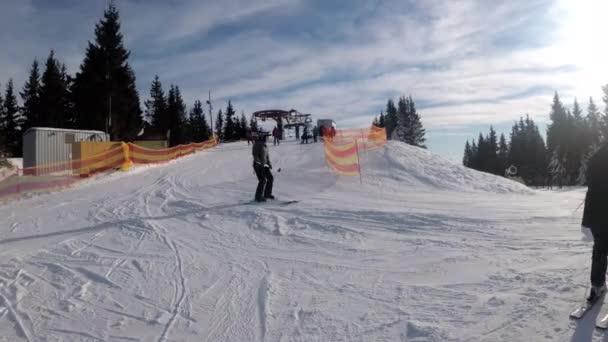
[(52, 147), (152, 138)]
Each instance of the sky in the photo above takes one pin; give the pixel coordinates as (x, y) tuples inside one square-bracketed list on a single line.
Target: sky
[(468, 64)]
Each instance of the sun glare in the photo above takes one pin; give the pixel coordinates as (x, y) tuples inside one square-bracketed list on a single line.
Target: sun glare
[(580, 41)]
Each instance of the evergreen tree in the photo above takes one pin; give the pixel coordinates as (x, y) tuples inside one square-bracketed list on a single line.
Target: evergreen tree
[(557, 169), (219, 125), (230, 126), (557, 137), (468, 155), (402, 123), (409, 127), (106, 83), (415, 130), (474, 153), (156, 106), (481, 151), (382, 120), (503, 156), (594, 123), (253, 124), (54, 100), (12, 122), (2, 119), (491, 158), (30, 95), (176, 117), (390, 118), (604, 120), (244, 127)]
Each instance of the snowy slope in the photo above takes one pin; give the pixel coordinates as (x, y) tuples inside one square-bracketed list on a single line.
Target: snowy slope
[(423, 251)]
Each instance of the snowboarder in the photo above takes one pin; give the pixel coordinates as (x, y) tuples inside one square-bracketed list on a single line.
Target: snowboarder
[(262, 167), (595, 219)]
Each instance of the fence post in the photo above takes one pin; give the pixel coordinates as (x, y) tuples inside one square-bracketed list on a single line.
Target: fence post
[(358, 161), (18, 182), (128, 163)]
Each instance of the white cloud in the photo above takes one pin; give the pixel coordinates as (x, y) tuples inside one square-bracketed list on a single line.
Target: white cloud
[(442, 52)]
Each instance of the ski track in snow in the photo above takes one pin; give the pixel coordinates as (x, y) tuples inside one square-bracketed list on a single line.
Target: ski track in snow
[(423, 251)]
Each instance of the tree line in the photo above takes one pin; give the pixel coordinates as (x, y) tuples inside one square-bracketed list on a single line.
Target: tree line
[(561, 160), (402, 122), (102, 95)]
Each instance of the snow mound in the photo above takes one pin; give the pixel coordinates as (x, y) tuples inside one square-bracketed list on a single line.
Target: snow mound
[(399, 164)]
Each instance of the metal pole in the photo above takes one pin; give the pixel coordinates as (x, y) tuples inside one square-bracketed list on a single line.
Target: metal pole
[(210, 112), (358, 161)]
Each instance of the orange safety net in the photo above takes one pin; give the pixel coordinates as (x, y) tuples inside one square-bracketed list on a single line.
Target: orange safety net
[(342, 150), (63, 174)]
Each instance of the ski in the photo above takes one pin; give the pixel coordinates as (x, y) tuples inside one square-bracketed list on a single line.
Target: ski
[(602, 323), (277, 202), (580, 311)]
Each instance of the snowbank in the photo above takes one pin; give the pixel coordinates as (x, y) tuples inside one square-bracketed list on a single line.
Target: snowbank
[(400, 165)]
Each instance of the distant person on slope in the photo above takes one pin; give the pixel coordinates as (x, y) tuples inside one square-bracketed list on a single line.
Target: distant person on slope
[(276, 134), (262, 167), (595, 218)]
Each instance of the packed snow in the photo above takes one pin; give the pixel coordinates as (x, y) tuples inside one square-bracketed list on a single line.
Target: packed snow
[(422, 250)]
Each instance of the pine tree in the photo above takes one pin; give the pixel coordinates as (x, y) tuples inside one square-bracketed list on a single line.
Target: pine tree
[(400, 132), (409, 127), (54, 101), (244, 127), (468, 155), (176, 117), (604, 121), (3, 134), (219, 125), (253, 124), (390, 118), (481, 152), (156, 106), (557, 136), (594, 123), (492, 153), (106, 83), (230, 126), (205, 129), (557, 169), (30, 95), (12, 121), (415, 130), (381, 120)]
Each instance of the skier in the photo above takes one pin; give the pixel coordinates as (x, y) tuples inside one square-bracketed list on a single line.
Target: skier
[(305, 135), (276, 136), (595, 219), (262, 167)]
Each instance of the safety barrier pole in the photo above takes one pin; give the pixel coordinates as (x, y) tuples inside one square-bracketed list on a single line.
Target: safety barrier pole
[(358, 161), (128, 163)]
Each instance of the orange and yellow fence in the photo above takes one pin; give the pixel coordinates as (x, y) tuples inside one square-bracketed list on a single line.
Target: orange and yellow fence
[(342, 151), (117, 156)]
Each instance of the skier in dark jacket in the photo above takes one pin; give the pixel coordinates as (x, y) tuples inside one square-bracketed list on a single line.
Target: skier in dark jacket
[(595, 217), (262, 167)]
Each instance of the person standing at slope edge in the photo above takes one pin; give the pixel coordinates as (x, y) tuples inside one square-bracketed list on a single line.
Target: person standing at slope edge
[(262, 167), (595, 219)]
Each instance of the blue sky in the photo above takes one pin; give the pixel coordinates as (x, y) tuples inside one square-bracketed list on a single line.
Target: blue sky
[(466, 63)]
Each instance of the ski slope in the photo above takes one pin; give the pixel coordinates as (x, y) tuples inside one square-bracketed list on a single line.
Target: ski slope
[(424, 250)]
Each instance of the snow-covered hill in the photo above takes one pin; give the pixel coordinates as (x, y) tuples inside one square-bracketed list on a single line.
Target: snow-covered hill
[(423, 250)]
